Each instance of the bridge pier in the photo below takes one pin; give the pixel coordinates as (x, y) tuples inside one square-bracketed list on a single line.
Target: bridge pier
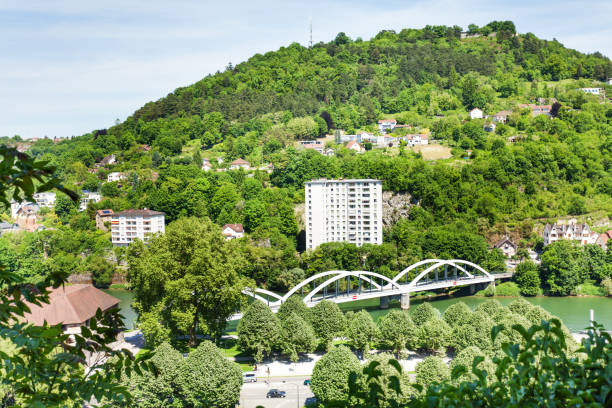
[(472, 289), (384, 302), (405, 301)]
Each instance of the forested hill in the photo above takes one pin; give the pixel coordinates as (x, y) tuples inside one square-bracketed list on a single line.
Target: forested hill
[(480, 182)]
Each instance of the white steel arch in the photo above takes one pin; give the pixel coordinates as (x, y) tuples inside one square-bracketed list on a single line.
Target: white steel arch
[(437, 262), (357, 274), (254, 294), (317, 276)]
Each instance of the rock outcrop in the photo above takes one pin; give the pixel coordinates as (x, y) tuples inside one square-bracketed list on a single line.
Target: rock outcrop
[(395, 206)]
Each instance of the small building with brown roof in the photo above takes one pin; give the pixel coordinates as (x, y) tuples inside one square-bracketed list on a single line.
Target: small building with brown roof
[(507, 247), (232, 231), (240, 164), (71, 306), (103, 217), (602, 239)]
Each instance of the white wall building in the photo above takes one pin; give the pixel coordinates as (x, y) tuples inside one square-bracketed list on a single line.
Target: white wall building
[(232, 231), (115, 176), (46, 199), (128, 225), (343, 211), (572, 231), (592, 91), (476, 113), (86, 197), (386, 124)]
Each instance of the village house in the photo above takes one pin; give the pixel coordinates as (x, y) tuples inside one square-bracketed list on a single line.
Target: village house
[(72, 306), (506, 246), (232, 231), (536, 109), (116, 176), (102, 218), (501, 116), (86, 197), (329, 152), (312, 144), (416, 139), (592, 91), (26, 217), (45, 199), (571, 231), (240, 164), (108, 160), (355, 146), (490, 127), (386, 124), (8, 227), (602, 239), (206, 165), (476, 114)]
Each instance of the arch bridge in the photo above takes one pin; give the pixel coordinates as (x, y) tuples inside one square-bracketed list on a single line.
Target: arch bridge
[(348, 286)]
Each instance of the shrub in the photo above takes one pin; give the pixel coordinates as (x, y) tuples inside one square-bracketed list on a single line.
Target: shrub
[(423, 313), (397, 329), (432, 370), (520, 307), (330, 376), (435, 334), (457, 314), (507, 289), (489, 307), (465, 358), (527, 277), (607, 285), (588, 288)]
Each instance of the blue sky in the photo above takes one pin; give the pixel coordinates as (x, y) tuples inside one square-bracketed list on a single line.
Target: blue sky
[(68, 66)]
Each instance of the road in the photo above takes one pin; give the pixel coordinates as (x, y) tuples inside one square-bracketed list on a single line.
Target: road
[(254, 394)]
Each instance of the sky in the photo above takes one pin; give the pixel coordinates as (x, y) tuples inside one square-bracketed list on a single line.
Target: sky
[(68, 67)]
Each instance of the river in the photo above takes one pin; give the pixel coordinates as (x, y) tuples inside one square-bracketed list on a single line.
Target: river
[(574, 311)]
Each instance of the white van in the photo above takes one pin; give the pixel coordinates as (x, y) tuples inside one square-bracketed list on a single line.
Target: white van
[(249, 377)]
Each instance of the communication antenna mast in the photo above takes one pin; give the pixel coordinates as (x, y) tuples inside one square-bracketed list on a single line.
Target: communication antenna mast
[(310, 33)]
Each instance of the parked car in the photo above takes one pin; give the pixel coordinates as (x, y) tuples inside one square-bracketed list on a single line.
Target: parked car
[(249, 377), (274, 393), (307, 381)]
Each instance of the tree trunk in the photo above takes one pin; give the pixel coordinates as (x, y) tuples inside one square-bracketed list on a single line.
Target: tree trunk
[(192, 331)]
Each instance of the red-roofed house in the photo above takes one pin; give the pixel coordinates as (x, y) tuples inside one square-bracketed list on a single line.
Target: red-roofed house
[(72, 306), (240, 164), (602, 239), (232, 231), (353, 145), (386, 124)]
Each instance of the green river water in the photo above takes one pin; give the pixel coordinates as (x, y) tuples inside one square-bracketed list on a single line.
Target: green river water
[(574, 311)]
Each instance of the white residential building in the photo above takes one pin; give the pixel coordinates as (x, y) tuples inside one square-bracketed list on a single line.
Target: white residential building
[(232, 231), (355, 146), (128, 225), (343, 211), (386, 124), (86, 197), (416, 139), (609, 81), (206, 165), (115, 176), (46, 199), (476, 113), (592, 91), (572, 231), (240, 164), (312, 144)]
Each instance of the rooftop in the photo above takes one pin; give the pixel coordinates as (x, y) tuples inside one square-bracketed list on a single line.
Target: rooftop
[(138, 213), (324, 180), (73, 304)]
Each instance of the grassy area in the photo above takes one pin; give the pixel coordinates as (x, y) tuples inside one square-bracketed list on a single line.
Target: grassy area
[(119, 286), (589, 288)]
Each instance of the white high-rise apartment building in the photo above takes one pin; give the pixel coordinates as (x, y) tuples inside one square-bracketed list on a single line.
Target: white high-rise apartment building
[(343, 211), (128, 225)]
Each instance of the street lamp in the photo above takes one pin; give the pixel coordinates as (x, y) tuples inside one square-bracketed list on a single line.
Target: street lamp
[(297, 386)]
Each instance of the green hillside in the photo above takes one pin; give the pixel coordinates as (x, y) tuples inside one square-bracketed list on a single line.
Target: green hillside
[(530, 170)]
